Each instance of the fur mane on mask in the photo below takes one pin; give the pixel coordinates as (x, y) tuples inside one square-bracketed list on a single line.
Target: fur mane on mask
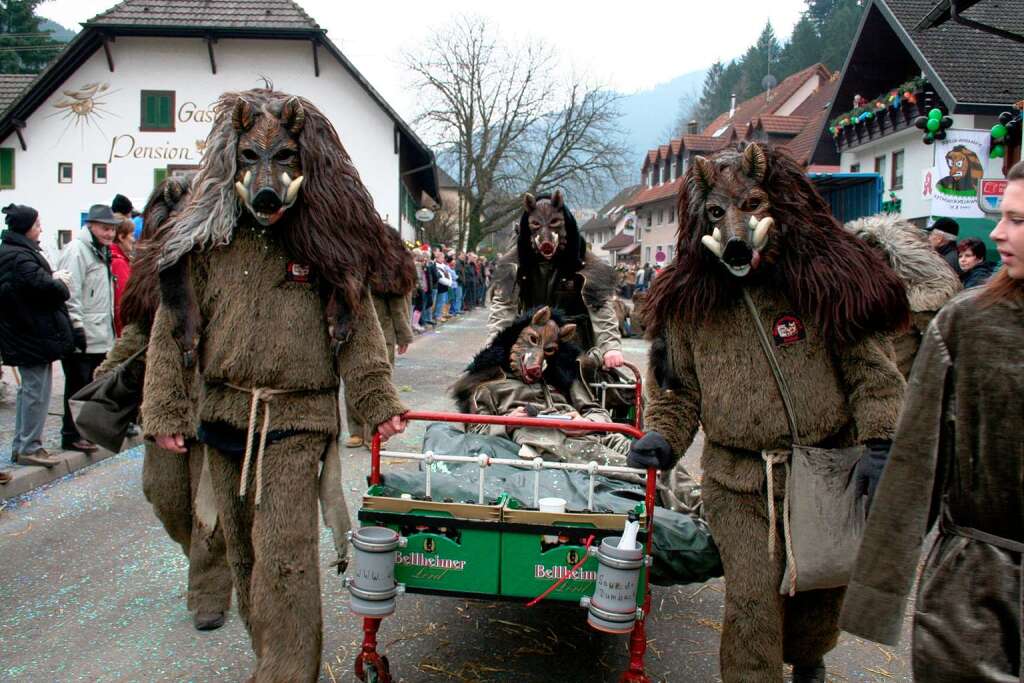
[(142, 294), (828, 275), (493, 361), (568, 260), (393, 272), (333, 227), (929, 280)]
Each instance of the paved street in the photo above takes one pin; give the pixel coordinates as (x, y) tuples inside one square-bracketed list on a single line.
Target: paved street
[(94, 590)]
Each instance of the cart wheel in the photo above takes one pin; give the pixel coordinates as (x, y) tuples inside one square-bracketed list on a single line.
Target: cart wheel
[(373, 670)]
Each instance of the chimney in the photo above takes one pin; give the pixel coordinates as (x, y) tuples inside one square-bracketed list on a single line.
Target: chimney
[(732, 106), (691, 127)]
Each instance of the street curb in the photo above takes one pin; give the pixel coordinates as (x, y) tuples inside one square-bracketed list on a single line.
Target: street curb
[(29, 477)]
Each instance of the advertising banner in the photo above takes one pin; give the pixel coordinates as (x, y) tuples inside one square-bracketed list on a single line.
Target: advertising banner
[(960, 162)]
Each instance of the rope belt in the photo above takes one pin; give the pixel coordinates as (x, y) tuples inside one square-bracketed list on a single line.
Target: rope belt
[(772, 458), (265, 395)]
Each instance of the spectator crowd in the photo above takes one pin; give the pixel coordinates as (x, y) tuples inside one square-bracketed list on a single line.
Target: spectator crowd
[(69, 311)]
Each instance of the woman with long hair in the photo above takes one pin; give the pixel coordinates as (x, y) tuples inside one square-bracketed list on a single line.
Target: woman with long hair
[(121, 254), (957, 460)]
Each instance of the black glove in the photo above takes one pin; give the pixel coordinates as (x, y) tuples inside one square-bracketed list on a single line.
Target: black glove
[(78, 334), (651, 450), (869, 467)]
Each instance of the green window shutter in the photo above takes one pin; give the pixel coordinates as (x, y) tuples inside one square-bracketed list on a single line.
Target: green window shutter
[(159, 175), (157, 110), (164, 114), (7, 168), (150, 121)]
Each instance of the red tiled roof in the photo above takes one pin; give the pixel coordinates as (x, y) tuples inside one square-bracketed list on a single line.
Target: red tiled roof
[(803, 145), (653, 194), (677, 144), (760, 106), (618, 242), (783, 125), (820, 99), (705, 143)]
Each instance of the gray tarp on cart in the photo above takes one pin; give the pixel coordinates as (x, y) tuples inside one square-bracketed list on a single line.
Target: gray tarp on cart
[(683, 549)]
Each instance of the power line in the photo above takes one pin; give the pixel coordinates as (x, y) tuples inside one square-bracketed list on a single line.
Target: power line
[(31, 48)]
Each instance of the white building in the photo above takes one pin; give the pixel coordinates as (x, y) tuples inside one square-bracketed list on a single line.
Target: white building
[(901, 67), (609, 231), (129, 101)]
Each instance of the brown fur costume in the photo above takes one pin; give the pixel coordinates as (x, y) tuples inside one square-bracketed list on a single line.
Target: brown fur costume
[(277, 236), (573, 280), (391, 283), (830, 300), (170, 481), (929, 280)]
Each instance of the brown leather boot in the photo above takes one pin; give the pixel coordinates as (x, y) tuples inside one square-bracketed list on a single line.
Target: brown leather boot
[(39, 457)]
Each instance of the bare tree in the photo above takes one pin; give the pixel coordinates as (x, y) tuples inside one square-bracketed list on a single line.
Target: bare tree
[(510, 125)]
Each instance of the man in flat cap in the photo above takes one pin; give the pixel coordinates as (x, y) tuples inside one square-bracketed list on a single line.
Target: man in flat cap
[(91, 307)]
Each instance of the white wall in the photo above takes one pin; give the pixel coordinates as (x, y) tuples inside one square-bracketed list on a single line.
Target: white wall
[(661, 233), (797, 98), (112, 136)]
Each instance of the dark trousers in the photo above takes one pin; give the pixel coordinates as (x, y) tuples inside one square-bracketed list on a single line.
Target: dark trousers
[(78, 369)]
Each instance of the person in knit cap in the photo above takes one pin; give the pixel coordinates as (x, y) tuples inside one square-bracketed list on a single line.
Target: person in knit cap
[(122, 205), (942, 234), (35, 329)]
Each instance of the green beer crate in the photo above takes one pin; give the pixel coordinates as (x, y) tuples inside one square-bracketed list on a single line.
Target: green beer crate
[(539, 548), (451, 547)]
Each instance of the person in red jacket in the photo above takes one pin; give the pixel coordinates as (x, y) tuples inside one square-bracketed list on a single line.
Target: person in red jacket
[(121, 264)]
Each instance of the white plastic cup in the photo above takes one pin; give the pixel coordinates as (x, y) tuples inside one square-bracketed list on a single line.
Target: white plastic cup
[(556, 505)]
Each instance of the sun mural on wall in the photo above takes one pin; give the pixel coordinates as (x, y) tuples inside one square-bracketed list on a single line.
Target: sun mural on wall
[(84, 108)]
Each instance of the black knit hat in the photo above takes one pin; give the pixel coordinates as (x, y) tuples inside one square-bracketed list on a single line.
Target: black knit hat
[(947, 225), (20, 218), (121, 205)]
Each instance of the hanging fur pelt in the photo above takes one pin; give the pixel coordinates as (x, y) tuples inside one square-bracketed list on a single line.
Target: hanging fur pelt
[(929, 280)]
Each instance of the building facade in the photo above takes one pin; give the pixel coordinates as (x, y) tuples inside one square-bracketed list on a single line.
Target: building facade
[(130, 101), (898, 70)]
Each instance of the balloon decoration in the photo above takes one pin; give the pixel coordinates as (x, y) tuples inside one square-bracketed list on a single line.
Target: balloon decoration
[(934, 125), (1003, 132), (864, 111)]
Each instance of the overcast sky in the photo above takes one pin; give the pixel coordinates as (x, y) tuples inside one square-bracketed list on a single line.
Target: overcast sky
[(626, 45)]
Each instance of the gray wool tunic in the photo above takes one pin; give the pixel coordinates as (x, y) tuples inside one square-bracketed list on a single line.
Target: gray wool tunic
[(958, 461)]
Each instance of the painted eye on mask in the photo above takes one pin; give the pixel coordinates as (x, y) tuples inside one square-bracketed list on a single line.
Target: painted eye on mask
[(550, 349), (716, 212), (284, 156), (250, 156)]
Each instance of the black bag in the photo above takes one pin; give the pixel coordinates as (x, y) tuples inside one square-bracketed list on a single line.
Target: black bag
[(105, 408)]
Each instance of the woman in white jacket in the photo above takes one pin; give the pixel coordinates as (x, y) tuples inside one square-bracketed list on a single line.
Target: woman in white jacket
[(91, 307)]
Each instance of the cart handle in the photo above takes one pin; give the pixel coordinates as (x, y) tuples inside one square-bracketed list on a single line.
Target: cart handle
[(609, 427)]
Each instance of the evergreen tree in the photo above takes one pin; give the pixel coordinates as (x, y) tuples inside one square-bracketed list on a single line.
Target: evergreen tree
[(838, 31), (759, 61), (803, 49), (818, 12), (824, 34), (24, 48), (706, 109)]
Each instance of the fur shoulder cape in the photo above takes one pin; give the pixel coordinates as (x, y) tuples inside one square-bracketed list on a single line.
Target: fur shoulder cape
[(929, 280), (599, 278), (493, 363)]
